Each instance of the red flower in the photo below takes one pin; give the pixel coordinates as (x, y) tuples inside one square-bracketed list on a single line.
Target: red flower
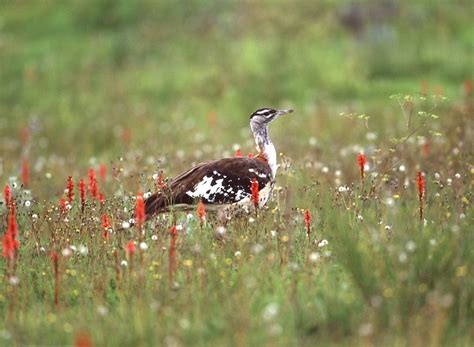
[(237, 153), (254, 189), (8, 250), (83, 340), (62, 206), (101, 198), (92, 183), (250, 155), (103, 172), (25, 173), (130, 248), (70, 189), (420, 184), (201, 212), (140, 211), (307, 221), (82, 193), (105, 226), (7, 195), (160, 181), (361, 162)]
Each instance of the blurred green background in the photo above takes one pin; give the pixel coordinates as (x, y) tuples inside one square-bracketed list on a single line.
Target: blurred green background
[(87, 74)]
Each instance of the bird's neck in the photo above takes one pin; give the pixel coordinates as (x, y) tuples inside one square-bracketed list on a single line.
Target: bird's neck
[(265, 147)]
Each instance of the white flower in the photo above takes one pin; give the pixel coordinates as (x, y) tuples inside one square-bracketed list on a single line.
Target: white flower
[(437, 176), (13, 280), (154, 237), (273, 233), (73, 248), (449, 181), (402, 168), (125, 225), (322, 243), (221, 230), (102, 310), (34, 216), (458, 176), (270, 311), (189, 216), (146, 195), (343, 189), (83, 250), (325, 169), (251, 220), (179, 227), (237, 254), (143, 246), (257, 248), (27, 203), (314, 257), (124, 263), (402, 257), (66, 252), (360, 218), (410, 246)]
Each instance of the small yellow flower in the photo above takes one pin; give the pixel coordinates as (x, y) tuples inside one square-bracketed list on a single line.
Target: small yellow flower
[(461, 271), (188, 262)]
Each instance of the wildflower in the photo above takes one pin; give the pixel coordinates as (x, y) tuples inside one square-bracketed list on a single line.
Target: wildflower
[(92, 183), (322, 243), (160, 181), (130, 248), (201, 212), (83, 340), (70, 189), (314, 257), (82, 194), (361, 160), (105, 226), (250, 155), (25, 172), (420, 184), (143, 246), (83, 250), (307, 222), (7, 195), (8, 251), (125, 225), (101, 198), (140, 211), (254, 189), (154, 237), (237, 153), (13, 228), (103, 172), (62, 206)]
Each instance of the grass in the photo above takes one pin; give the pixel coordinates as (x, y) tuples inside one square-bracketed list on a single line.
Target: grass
[(148, 86)]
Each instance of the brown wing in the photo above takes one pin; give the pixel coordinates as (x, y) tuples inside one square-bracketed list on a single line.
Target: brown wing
[(223, 181)]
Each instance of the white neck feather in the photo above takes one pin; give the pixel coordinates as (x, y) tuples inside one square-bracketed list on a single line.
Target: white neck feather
[(265, 146)]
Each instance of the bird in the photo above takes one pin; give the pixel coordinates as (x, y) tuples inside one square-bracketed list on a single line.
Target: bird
[(225, 183)]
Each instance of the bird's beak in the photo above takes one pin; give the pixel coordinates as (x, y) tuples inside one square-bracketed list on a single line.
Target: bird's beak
[(282, 112)]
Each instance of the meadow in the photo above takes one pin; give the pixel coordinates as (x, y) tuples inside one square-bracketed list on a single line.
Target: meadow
[(368, 238)]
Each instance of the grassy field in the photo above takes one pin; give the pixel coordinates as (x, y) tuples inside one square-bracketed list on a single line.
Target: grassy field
[(131, 89)]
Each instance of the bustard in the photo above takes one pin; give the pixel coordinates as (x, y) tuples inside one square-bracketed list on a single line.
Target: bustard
[(225, 182)]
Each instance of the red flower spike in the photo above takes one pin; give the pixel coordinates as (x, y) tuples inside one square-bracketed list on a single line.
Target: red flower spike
[(160, 181), (237, 153), (307, 221), (7, 195), (83, 340), (131, 248), (8, 250), (62, 206), (82, 193), (361, 160), (201, 212), (92, 183), (25, 173), (420, 184), (254, 189), (70, 189), (140, 211), (105, 226), (101, 198), (103, 172)]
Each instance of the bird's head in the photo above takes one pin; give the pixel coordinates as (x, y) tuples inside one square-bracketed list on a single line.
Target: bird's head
[(264, 116)]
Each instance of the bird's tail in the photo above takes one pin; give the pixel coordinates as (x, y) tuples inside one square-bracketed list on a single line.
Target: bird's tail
[(156, 203)]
